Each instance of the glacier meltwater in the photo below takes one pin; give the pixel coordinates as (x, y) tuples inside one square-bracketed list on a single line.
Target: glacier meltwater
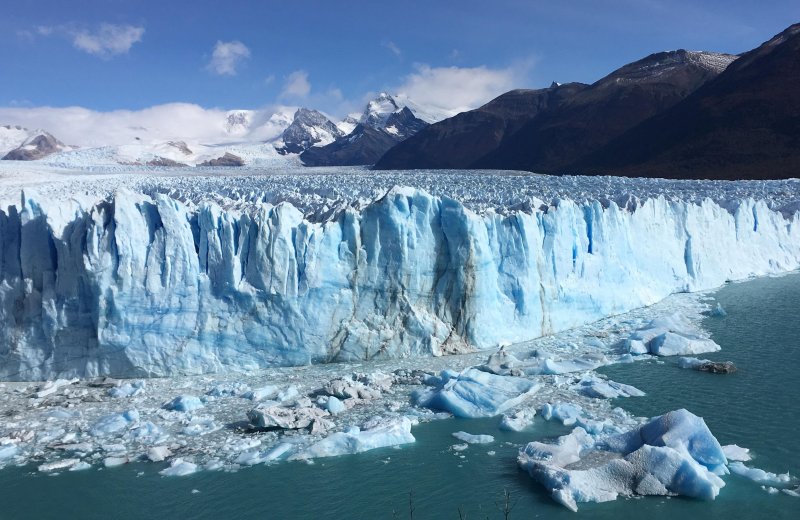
[(140, 284)]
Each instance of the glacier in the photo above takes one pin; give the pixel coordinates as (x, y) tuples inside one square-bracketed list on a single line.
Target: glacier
[(142, 285)]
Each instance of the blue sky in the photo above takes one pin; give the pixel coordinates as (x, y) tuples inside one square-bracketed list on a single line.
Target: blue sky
[(128, 54)]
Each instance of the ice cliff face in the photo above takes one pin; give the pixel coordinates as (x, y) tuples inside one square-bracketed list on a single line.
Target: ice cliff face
[(141, 286)]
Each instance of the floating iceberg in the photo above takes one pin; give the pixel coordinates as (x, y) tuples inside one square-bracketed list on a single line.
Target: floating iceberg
[(594, 386), (736, 453), (517, 421), (670, 336), (381, 433), (473, 393), (759, 475), (672, 454), (473, 439), (179, 468)]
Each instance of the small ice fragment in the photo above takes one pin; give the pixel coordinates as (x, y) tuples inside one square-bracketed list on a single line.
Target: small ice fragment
[(759, 475), (334, 405), (179, 468), (8, 451), (113, 423), (736, 453), (184, 403), (517, 421), (111, 462), (58, 464), (127, 390), (158, 453), (259, 394), (473, 439)]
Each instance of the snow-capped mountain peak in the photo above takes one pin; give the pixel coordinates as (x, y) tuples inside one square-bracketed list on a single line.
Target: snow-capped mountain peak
[(309, 128), (238, 122), (20, 144), (378, 110)]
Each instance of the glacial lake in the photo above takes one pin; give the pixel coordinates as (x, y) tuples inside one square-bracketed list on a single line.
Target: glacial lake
[(756, 408)]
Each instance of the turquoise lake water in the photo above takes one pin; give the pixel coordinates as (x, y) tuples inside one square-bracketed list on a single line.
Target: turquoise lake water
[(755, 408)]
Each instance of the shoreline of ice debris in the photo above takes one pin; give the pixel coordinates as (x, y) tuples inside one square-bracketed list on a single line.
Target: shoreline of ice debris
[(200, 423)]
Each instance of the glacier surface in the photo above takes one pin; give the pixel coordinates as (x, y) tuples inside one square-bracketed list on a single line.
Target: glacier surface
[(160, 281)]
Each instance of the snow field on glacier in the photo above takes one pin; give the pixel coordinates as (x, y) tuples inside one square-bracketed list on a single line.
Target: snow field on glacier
[(321, 192)]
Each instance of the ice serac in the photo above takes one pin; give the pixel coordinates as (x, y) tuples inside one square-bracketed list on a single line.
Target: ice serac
[(149, 286)]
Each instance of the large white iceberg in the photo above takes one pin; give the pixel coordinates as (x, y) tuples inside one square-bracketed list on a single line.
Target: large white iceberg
[(672, 454), (150, 285)]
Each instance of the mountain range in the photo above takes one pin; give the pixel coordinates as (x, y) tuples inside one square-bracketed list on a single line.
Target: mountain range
[(246, 137), (679, 114)]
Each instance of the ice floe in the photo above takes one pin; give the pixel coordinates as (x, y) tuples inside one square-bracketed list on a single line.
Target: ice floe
[(672, 454), (473, 439), (670, 336), (378, 433), (474, 393)]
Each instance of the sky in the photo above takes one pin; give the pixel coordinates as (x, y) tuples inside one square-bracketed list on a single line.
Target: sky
[(118, 56)]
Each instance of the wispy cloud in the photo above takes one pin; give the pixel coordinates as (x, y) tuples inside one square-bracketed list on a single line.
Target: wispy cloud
[(393, 48), (296, 86), (107, 41), (227, 56)]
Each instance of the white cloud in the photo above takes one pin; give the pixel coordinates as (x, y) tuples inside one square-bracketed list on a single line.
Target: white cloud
[(393, 47), (296, 85), (109, 40), (227, 57), (83, 127), (460, 88)]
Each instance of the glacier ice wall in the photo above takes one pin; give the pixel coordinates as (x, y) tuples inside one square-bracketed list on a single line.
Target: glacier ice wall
[(148, 286)]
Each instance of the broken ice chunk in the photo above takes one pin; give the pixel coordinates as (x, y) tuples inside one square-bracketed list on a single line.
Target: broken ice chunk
[(734, 452), (593, 386), (670, 336), (276, 416), (127, 390), (184, 403), (473, 439), (382, 433), (179, 468), (517, 421), (759, 475), (474, 393), (113, 423)]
